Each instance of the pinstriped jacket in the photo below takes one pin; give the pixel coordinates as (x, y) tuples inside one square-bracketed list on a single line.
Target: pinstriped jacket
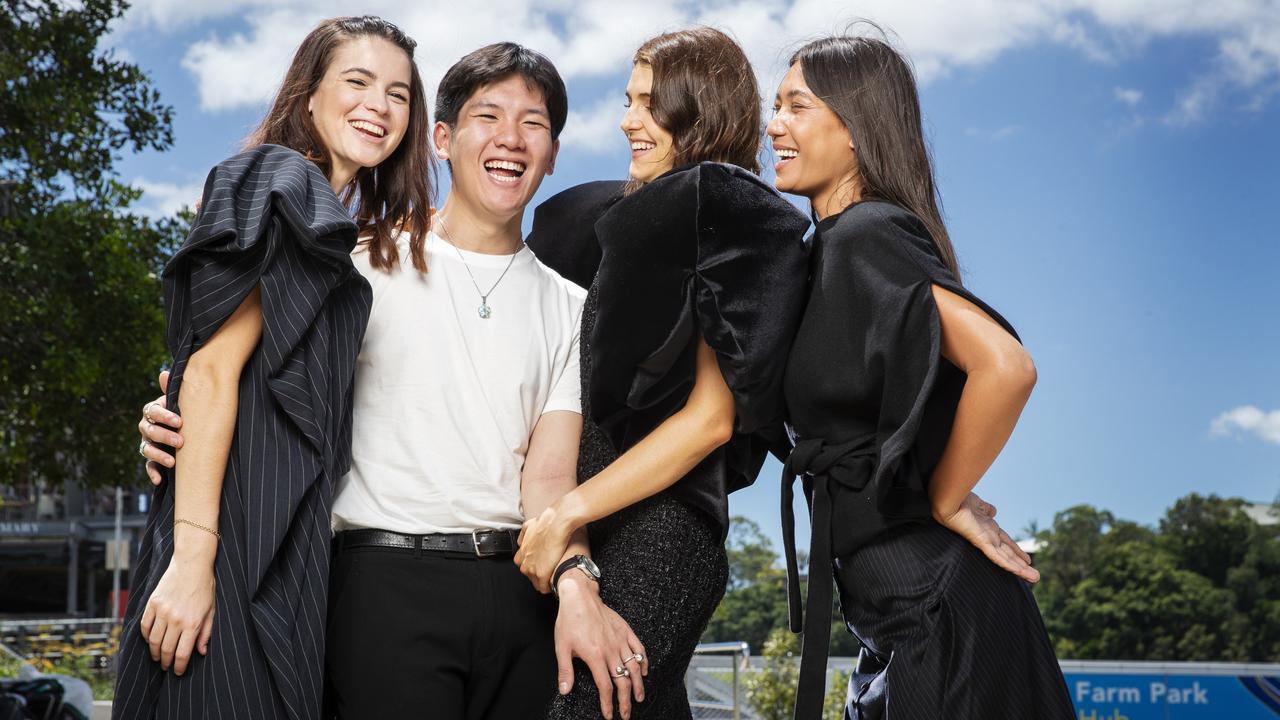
[(269, 219)]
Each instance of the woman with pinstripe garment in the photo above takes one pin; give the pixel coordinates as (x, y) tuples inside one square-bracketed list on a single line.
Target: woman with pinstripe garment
[(902, 387), (266, 313)]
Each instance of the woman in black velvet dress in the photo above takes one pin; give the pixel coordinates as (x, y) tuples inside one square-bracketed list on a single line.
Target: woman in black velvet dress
[(697, 288), (902, 387)]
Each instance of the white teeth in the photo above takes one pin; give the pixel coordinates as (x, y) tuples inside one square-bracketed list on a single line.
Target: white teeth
[(368, 127), (786, 153), (504, 165), (642, 146)]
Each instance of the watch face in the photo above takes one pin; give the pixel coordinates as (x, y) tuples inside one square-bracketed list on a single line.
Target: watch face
[(590, 567)]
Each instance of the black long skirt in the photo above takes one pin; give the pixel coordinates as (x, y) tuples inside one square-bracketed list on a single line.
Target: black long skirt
[(945, 633)]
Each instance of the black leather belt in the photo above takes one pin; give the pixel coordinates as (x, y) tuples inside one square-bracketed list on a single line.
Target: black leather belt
[(477, 543)]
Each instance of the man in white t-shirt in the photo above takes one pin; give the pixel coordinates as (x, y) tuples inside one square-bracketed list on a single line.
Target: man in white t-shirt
[(466, 420)]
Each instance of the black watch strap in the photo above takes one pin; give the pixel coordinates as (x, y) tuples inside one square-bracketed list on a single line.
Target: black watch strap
[(581, 562)]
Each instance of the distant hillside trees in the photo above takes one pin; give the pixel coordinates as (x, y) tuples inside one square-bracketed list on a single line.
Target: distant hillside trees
[(1204, 585)]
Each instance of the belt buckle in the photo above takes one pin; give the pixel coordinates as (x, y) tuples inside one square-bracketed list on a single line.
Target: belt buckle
[(475, 542)]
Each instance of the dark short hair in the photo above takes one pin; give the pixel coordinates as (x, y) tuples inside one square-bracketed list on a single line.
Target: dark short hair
[(495, 63), (705, 95)]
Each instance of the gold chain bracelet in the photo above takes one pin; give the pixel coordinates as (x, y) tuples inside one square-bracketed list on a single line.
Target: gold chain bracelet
[(211, 531)]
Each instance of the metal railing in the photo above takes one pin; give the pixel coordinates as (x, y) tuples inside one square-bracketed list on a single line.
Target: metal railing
[(714, 680)]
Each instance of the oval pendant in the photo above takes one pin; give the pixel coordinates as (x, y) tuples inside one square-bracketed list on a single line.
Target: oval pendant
[(484, 311)]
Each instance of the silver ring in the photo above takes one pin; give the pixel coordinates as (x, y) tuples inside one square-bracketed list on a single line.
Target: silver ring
[(636, 657), (142, 448), (621, 671)]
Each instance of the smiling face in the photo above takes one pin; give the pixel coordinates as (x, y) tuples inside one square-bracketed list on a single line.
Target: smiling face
[(813, 147), (652, 147), (361, 107), (500, 148)]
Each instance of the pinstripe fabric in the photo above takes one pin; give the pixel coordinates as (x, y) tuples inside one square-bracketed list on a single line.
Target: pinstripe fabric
[(269, 218), (945, 633)]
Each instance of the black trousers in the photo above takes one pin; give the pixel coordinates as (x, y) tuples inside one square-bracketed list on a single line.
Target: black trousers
[(429, 635)]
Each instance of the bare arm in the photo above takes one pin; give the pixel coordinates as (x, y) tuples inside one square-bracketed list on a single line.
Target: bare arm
[(585, 627), (551, 471), (1000, 377), (180, 611), (652, 465)]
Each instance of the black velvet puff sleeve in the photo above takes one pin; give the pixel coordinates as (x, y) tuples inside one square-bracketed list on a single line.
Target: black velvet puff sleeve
[(705, 251), (564, 234)]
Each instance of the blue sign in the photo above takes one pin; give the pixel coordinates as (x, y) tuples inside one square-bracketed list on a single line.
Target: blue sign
[(1122, 696)]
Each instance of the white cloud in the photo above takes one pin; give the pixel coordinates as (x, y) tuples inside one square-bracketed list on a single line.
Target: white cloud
[(592, 38), (1128, 96), (1248, 419), (597, 129), (162, 199)]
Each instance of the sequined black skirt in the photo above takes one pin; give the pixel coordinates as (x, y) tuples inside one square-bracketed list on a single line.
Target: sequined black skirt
[(664, 571)]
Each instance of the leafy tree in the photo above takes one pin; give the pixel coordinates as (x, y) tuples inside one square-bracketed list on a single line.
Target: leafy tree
[(82, 329), (755, 603), (771, 691), (1204, 586), (1208, 535)]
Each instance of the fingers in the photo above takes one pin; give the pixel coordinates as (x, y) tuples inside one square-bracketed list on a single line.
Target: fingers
[(637, 672), (182, 653), (156, 636), (1001, 550), (164, 381), (153, 472), (155, 454), (206, 632), (564, 662), (157, 411), (148, 619), (623, 686), (604, 685), (169, 645), (157, 433)]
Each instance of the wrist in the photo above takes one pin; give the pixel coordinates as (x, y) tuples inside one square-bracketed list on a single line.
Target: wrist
[(575, 583), (194, 546), (943, 512), (571, 512)]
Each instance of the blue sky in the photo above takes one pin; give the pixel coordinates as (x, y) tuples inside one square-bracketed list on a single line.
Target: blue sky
[(1109, 171)]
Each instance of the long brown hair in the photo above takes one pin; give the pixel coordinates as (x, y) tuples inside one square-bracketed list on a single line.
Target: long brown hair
[(705, 95), (395, 194), (871, 88)]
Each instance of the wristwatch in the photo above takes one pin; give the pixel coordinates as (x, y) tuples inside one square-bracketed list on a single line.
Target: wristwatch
[(582, 562)]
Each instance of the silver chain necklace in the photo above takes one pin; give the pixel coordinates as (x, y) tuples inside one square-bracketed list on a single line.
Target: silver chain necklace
[(484, 310)]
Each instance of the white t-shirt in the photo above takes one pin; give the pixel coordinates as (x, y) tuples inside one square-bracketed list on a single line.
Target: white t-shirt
[(445, 401)]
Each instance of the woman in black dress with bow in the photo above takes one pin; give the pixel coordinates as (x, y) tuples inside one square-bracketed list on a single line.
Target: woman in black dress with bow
[(902, 388)]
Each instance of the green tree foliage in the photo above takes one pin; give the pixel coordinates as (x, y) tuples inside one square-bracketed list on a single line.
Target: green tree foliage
[(756, 601), (1205, 586), (81, 325), (771, 690)]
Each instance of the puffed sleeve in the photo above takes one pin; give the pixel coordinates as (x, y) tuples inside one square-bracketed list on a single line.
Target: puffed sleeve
[(564, 235), (268, 217), (707, 251), (892, 268)]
